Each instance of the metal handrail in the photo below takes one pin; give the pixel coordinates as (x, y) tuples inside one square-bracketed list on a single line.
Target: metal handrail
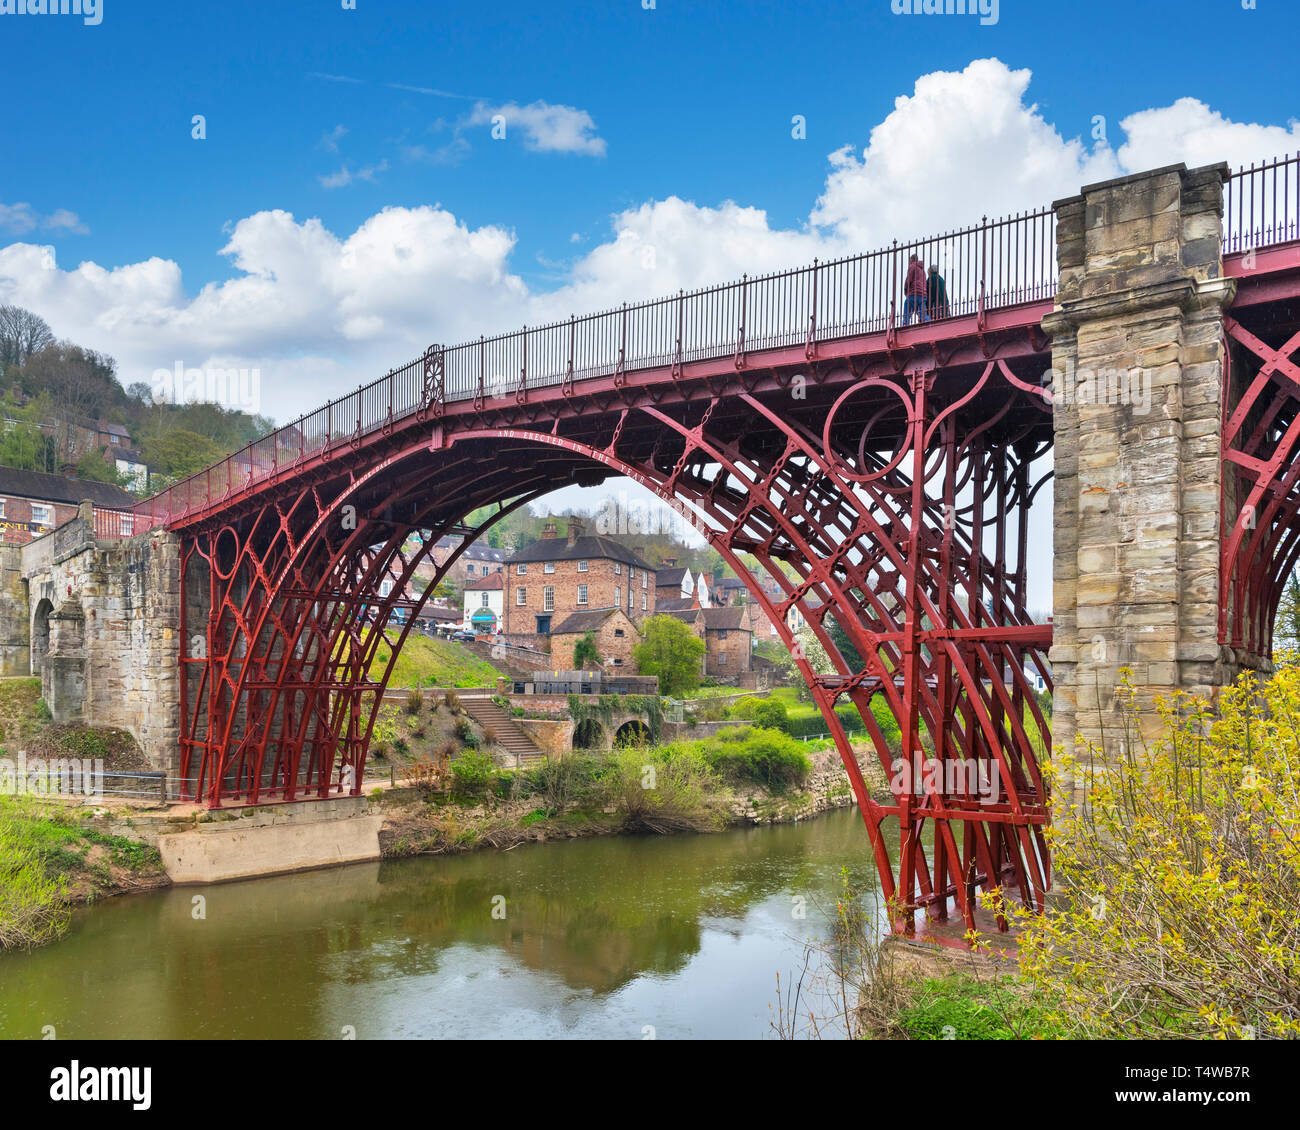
[(1261, 205), (1003, 262)]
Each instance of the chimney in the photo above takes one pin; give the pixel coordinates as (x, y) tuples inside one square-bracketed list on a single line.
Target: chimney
[(575, 532), (550, 530), (639, 550)]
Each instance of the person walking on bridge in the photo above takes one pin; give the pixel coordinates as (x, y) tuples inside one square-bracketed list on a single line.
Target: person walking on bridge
[(936, 294), (914, 291)]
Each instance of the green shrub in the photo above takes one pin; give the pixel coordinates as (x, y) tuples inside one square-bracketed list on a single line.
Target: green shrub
[(414, 702), (661, 790), (85, 743), (464, 731), (772, 713), (473, 772), (759, 755)]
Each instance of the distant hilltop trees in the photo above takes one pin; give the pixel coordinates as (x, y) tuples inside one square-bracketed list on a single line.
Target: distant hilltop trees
[(66, 412)]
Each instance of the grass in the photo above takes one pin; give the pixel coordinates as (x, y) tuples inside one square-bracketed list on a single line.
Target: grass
[(712, 692), (803, 718), (46, 854), (18, 709), (971, 1008), (427, 662)]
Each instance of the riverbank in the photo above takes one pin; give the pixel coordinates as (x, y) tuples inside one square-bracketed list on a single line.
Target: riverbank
[(55, 857), (419, 822)]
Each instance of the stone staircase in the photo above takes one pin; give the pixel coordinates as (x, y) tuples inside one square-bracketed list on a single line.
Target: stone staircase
[(510, 737)]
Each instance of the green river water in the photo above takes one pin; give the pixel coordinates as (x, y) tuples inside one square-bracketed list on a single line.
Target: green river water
[(613, 937)]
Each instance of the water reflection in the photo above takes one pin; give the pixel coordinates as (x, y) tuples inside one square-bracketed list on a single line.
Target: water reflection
[(602, 937)]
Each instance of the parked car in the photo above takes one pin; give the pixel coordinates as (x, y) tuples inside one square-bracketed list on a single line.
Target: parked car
[(464, 637)]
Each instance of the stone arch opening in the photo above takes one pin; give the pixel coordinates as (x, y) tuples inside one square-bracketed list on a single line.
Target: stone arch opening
[(588, 734), (40, 634), (632, 733)]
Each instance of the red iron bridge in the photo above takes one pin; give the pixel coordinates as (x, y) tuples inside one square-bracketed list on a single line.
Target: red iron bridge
[(880, 473)]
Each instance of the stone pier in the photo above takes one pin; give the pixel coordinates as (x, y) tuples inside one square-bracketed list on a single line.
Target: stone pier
[(1137, 354)]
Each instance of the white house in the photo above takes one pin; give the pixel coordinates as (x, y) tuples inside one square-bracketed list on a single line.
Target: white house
[(484, 605), (702, 587)]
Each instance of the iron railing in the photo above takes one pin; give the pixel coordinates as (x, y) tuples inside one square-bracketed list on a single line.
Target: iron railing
[(1261, 205), (110, 523), (994, 264)]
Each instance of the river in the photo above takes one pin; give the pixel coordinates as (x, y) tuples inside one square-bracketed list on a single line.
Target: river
[(614, 937)]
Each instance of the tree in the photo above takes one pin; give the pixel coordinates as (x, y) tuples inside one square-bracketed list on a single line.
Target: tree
[(22, 333), (82, 384), (180, 452), (671, 651), (22, 442), (585, 653), (94, 468)]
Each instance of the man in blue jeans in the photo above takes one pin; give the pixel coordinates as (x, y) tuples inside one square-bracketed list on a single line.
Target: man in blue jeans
[(914, 291)]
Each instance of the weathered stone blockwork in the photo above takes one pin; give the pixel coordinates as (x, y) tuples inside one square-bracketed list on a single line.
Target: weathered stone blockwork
[(1137, 461), (114, 629)]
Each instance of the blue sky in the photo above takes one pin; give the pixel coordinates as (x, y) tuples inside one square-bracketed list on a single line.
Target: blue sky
[(691, 99)]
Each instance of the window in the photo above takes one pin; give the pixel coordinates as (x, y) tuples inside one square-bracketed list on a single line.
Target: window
[(618, 568), (521, 596), (549, 567), (385, 587), (643, 602), (722, 633), (631, 573), (41, 514), (548, 599), (644, 577), (582, 566), (618, 595), (582, 594), (618, 632), (2, 507), (469, 569), (520, 570), (484, 602), (722, 659)]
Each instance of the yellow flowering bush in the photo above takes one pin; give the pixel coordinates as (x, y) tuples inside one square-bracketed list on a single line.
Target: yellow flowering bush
[(1179, 873)]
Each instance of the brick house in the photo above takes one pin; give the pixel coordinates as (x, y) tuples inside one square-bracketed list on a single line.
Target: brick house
[(33, 503), (729, 591), (479, 560), (678, 583), (728, 635), (554, 576), (728, 641), (616, 636)]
